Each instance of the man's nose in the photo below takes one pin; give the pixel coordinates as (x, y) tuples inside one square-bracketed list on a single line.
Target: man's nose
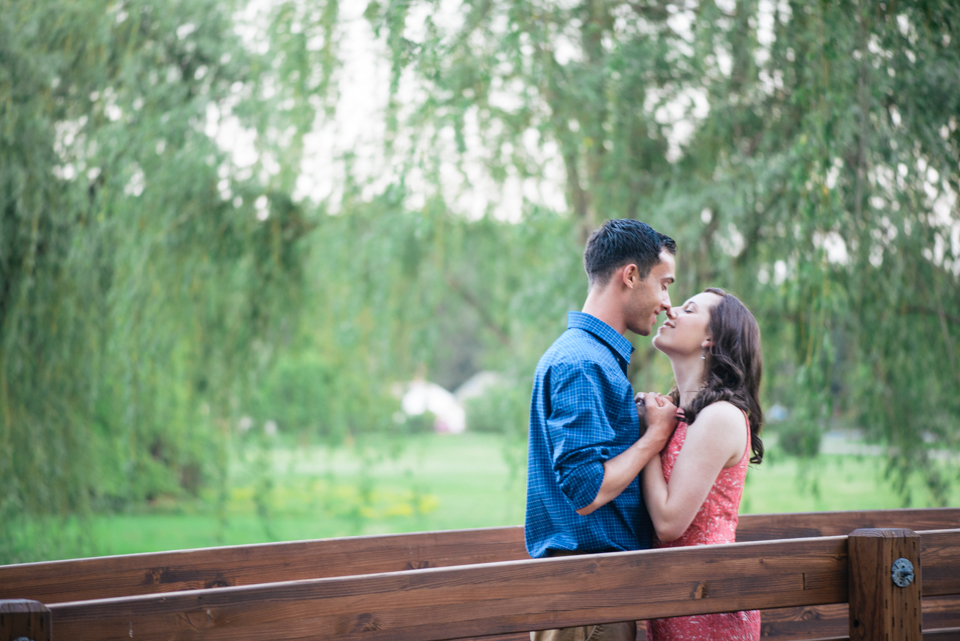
[(665, 302)]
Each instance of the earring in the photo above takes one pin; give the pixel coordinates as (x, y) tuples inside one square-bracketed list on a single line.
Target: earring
[(703, 353)]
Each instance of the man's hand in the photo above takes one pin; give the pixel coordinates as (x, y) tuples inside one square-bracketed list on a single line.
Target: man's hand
[(660, 414)]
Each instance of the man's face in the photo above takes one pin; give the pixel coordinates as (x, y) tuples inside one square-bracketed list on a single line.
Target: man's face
[(649, 296)]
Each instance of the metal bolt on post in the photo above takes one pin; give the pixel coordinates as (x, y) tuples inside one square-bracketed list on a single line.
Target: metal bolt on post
[(902, 572), (882, 608)]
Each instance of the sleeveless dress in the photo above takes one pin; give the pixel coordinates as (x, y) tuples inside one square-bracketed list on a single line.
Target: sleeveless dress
[(716, 522)]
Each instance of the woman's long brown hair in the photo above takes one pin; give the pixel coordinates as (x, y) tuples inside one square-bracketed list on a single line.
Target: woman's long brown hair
[(733, 366)]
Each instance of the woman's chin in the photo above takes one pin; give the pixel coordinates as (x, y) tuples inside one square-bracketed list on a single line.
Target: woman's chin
[(663, 345)]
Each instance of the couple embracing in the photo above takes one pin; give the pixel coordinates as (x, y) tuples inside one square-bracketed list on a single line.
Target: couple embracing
[(611, 471)]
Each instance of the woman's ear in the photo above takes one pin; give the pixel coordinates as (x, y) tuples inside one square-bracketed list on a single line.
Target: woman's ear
[(707, 342)]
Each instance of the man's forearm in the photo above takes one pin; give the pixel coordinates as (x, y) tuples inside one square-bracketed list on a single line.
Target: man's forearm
[(622, 469)]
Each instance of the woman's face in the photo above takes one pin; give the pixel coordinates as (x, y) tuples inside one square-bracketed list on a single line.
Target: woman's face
[(684, 332)]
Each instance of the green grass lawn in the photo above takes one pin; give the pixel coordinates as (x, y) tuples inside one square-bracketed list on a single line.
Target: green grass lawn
[(831, 482), (437, 482)]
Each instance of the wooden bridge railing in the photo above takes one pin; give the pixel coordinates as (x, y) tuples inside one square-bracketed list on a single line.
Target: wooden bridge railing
[(152, 573), (809, 577), (515, 596)]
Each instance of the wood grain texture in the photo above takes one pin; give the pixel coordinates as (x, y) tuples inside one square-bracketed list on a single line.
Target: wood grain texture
[(116, 576), (941, 562), (940, 612), (24, 618), (806, 622), (879, 609), (831, 621), (155, 573), (498, 598), (769, 527)]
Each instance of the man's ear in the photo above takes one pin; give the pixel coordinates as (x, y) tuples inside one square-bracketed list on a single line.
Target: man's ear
[(630, 275)]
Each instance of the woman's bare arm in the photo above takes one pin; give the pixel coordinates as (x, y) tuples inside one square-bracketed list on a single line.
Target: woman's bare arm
[(622, 469), (717, 439)]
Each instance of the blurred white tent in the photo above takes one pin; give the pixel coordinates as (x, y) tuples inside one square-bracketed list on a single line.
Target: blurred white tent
[(424, 396), (477, 384)]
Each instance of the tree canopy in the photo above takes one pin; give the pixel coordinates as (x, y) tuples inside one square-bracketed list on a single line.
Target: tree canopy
[(156, 286), (803, 155)]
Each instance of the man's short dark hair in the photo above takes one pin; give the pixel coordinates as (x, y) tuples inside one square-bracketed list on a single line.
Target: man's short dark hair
[(622, 241)]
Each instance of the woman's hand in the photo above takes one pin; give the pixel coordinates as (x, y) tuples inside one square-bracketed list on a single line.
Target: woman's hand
[(660, 415), (623, 469)]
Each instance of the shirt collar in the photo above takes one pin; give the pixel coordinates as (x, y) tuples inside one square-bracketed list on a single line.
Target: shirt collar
[(614, 339)]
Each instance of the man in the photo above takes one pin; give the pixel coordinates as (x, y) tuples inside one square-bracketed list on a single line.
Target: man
[(586, 450)]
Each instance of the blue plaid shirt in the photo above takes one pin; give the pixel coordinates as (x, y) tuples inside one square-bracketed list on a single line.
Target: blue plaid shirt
[(582, 413)]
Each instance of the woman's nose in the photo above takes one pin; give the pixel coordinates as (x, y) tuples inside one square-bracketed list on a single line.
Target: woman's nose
[(671, 312)]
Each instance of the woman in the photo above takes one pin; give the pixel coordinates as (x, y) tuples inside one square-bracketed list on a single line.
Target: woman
[(692, 490)]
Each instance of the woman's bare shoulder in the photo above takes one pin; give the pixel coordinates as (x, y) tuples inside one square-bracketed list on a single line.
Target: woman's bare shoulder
[(722, 412), (721, 420)]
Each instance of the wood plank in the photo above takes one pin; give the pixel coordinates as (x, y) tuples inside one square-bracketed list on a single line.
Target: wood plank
[(127, 575), (497, 598), (946, 634), (829, 621), (770, 527), (941, 612), (160, 572), (880, 608), (806, 622), (940, 556)]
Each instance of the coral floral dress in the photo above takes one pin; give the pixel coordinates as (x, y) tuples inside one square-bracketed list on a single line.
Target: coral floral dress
[(716, 522)]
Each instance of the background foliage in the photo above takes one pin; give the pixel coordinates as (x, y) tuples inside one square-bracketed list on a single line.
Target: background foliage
[(160, 295)]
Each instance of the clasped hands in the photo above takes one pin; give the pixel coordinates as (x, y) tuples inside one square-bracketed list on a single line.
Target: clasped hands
[(658, 415)]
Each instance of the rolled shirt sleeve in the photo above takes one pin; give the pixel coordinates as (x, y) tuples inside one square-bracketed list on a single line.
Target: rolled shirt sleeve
[(579, 431)]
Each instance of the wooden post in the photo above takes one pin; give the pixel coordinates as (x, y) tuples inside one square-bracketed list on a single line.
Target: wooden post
[(880, 609), (23, 619)]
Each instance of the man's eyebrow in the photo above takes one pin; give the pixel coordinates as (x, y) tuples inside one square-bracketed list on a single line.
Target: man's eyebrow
[(670, 280)]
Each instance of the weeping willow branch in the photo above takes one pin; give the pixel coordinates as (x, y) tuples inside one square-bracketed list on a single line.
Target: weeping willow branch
[(485, 317), (928, 311)]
